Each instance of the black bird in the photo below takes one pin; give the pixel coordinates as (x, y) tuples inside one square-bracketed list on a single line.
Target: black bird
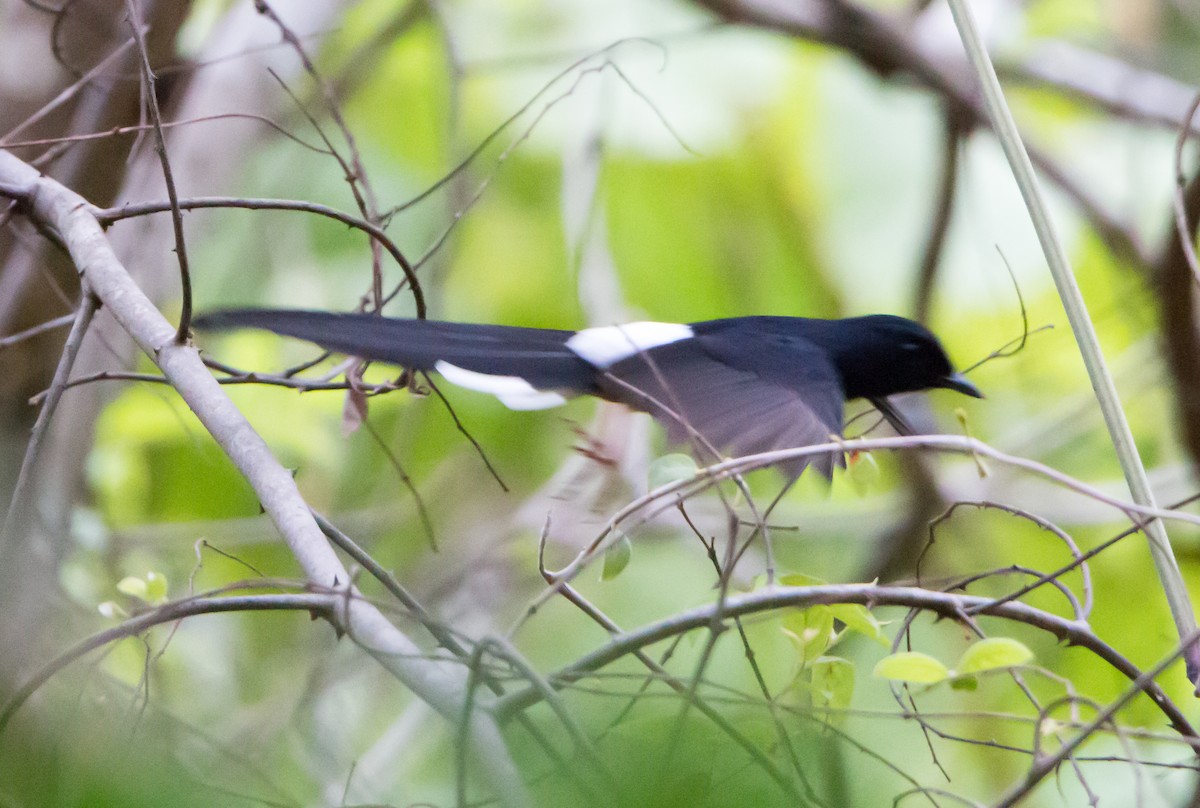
[(741, 385)]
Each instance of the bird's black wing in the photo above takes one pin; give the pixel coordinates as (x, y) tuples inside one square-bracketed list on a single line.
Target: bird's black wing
[(745, 386), (537, 355), (746, 393)]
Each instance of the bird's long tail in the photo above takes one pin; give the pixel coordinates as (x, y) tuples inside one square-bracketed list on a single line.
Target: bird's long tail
[(536, 356)]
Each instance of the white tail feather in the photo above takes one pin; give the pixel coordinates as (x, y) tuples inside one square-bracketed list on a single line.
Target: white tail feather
[(513, 391), (605, 346)]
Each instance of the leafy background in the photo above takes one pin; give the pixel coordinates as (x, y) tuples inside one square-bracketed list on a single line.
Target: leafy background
[(725, 171)]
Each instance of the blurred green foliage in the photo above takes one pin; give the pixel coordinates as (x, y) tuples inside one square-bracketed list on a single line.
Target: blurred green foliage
[(810, 197)]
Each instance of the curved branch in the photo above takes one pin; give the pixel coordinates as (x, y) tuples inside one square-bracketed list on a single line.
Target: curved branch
[(110, 215), (1043, 765), (668, 495), (324, 605), (439, 683), (944, 604)]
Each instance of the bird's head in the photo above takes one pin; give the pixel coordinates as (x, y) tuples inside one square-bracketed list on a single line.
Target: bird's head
[(882, 355)]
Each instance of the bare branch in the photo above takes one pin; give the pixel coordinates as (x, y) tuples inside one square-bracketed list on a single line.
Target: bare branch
[(323, 604), (15, 517), (435, 681), (150, 98), (945, 604)]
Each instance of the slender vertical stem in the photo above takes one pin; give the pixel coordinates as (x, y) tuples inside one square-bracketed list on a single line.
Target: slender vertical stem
[(1081, 325)]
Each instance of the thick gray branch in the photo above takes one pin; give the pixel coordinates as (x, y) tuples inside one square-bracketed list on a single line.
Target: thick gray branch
[(439, 683)]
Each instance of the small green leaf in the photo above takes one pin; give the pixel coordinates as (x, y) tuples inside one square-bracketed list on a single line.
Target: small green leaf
[(964, 683), (134, 587), (858, 618), (863, 471), (996, 652), (156, 587), (832, 683), (800, 579), (616, 558), (911, 666), (669, 469), (811, 631)]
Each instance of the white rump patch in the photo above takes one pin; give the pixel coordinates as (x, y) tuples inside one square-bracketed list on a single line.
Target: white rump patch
[(513, 391), (605, 346)]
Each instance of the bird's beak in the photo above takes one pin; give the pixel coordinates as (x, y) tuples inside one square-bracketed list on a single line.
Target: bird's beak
[(959, 382)]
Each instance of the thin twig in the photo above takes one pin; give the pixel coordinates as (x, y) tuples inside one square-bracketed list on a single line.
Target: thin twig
[(376, 233), (303, 385), (407, 482), (142, 127), (20, 504), (1083, 611), (150, 97), (1047, 763), (353, 170), (462, 429), (33, 331), (949, 605), (66, 95), (323, 604), (1085, 557), (710, 476)]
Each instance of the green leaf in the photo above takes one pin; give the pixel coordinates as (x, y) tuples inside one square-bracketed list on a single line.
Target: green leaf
[(800, 579), (863, 471), (811, 632), (911, 666), (996, 652), (134, 587), (968, 683), (616, 558), (832, 683), (156, 587), (669, 469), (858, 618)]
